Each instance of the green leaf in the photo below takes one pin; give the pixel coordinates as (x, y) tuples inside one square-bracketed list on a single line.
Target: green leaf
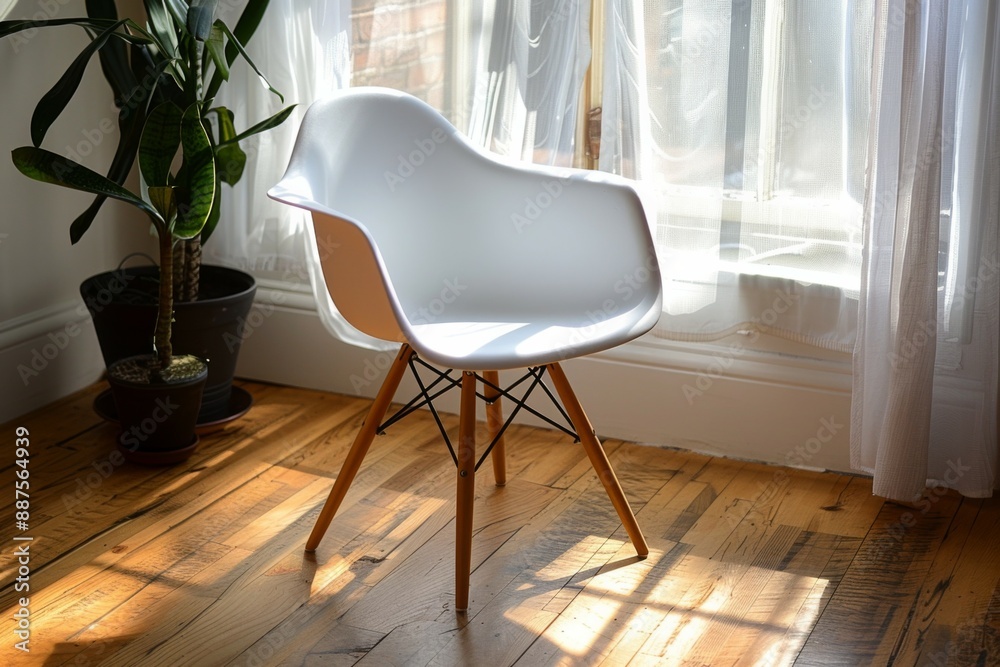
[(114, 55), (55, 100), (131, 118), (245, 28), (239, 47), (229, 157), (213, 217), (102, 9), (162, 25), (200, 17), (274, 121), (82, 223), (130, 128), (18, 25), (177, 8), (48, 167), (160, 138), (214, 45), (199, 165), (163, 200)]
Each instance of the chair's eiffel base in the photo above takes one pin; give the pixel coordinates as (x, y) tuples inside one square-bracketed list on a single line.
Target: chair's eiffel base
[(465, 456)]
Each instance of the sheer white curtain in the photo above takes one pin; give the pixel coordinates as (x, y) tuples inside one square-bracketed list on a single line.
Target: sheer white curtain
[(509, 75), (527, 62), (925, 372), (748, 120), (303, 47)]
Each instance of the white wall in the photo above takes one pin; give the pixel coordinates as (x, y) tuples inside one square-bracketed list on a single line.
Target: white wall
[(783, 403), (47, 344)]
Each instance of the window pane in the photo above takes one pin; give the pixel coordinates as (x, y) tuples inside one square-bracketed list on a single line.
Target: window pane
[(688, 66), (824, 99), (749, 120)]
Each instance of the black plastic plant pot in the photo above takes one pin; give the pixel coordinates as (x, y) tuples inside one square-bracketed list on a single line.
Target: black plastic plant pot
[(122, 304), (157, 415)]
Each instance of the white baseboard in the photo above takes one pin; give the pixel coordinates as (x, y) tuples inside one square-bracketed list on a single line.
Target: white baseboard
[(765, 406), (45, 355)]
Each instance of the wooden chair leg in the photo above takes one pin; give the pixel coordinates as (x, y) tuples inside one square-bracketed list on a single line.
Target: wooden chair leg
[(494, 420), (360, 447), (598, 458), (466, 492)]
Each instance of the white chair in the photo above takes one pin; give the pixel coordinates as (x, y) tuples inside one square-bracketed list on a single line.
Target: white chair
[(473, 263)]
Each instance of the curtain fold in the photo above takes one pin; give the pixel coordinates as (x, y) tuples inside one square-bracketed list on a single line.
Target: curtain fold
[(530, 58), (303, 47), (925, 366)]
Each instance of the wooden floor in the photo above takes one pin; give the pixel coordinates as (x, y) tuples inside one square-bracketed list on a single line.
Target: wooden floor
[(202, 563)]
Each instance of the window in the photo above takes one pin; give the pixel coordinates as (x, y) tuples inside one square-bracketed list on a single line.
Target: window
[(749, 121)]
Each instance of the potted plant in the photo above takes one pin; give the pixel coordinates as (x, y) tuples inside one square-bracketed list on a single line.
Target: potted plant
[(183, 56), (158, 395)]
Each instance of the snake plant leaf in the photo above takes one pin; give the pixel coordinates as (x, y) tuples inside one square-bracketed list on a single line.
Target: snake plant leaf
[(17, 25), (215, 46), (163, 200), (199, 184), (162, 25), (131, 119), (114, 55), (48, 167), (55, 100), (177, 9), (130, 123), (200, 17), (239, 47), (245, 28), (82, 223), (213, 217), (266, 124), (229, 157), (161, 136)]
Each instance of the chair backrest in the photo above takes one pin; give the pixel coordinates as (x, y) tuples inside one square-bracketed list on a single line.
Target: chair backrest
[(414, 212)]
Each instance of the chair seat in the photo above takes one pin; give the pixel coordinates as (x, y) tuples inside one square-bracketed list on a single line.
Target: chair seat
[(498, 345)]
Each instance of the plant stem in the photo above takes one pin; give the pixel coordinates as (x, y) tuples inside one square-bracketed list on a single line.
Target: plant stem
[(161, 337)]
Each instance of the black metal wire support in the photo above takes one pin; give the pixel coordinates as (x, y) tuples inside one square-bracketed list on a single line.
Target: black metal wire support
[(428, 392)]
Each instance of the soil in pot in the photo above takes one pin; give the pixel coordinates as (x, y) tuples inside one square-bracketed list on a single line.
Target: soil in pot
[(157, 409), (123, 306)]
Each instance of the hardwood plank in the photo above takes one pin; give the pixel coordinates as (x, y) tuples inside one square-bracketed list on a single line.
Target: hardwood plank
[(864, 617), (130, 495), (955, 619), (749, 565)]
